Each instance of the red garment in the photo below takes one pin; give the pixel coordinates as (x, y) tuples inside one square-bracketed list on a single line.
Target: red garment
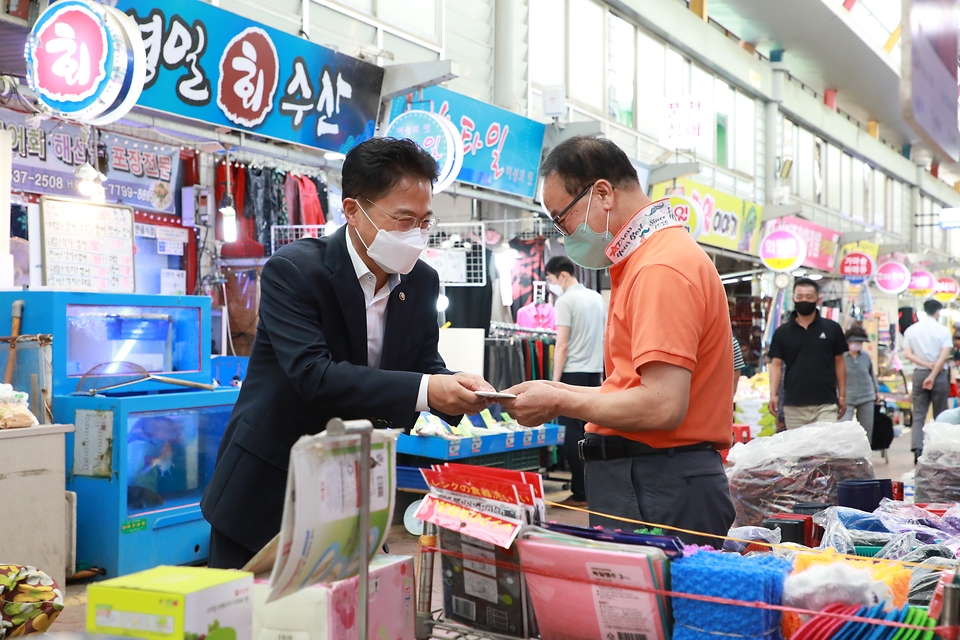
[(245, 246), (291, 195), (310, 202)]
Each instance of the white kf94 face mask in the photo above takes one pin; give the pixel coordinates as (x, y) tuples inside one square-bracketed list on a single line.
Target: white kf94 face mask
[(395, 251)]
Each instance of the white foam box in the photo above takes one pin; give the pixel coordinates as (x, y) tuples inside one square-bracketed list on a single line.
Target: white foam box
[(173, 603), (329, 612)]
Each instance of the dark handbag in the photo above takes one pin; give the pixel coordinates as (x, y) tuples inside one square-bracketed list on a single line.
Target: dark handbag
[(882, 429)]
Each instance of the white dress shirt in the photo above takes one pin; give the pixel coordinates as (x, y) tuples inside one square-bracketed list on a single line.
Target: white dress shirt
[(927, 338), (376, 306)]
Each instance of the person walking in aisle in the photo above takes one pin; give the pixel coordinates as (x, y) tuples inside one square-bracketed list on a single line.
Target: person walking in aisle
[(928, 345), (666, 407), (863, 392), (812, 347), (578, 358)]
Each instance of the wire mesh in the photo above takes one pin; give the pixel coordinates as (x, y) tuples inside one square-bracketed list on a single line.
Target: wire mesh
[(282, 234), (457, 250)]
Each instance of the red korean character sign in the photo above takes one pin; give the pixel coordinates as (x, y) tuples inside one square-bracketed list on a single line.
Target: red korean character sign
[(857, 267), (783, 250), (947, 290), (249, 74), (86, 61), (922, 283)]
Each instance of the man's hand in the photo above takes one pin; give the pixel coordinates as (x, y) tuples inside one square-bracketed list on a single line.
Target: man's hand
[(774, 405), (454, 395), (879, 398), (535, 404), (929, 380), (842, 403)]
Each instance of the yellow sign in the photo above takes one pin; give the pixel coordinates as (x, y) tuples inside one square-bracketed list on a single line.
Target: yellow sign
[(872, 249), (712, 217)]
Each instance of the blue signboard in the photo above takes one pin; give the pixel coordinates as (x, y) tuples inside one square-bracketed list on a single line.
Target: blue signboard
[(501, 150), (217, 67)]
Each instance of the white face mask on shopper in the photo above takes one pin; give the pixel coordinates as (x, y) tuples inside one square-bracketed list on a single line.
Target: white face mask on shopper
[(395, 251), (555, 289), (855, 346)]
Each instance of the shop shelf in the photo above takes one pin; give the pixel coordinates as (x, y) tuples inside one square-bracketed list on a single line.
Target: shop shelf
[(437, 448)]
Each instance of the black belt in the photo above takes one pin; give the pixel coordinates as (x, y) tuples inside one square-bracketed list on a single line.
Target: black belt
[(596, 447)]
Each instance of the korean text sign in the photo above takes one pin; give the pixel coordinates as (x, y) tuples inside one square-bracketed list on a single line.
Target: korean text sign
[(501, 150), (141, 174), (217, 67), (714, 218), (822, 242)]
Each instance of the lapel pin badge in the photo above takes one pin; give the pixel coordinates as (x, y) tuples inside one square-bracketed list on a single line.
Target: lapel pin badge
[(403, 296)]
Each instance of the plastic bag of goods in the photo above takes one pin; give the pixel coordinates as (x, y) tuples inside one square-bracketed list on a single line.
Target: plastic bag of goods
[(770, 475), (938, 469)]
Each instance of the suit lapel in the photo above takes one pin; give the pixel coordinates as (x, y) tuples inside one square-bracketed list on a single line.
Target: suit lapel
[(400, 312), (349, 294)]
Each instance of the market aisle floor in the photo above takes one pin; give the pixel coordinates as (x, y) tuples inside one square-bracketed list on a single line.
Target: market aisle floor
[(401, 543)]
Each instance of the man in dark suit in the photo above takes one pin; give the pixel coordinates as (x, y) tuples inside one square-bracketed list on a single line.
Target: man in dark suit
[(348, 329)]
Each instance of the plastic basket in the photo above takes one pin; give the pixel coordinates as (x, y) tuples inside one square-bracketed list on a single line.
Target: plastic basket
[(867, 552)]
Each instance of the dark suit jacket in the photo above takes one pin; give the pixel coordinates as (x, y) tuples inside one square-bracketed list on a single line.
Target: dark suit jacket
[(308, 365)]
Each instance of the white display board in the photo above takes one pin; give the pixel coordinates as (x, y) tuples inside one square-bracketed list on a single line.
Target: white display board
[(462, 349), (86, 246)]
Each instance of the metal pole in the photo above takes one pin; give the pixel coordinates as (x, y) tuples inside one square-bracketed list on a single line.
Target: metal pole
[(950, 615), (425, 587), (364, 429)]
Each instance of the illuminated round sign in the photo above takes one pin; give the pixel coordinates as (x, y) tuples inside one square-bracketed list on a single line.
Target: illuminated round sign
[(947, 290), (687, 212), (856, 267), (86, 61), (922, 283), (892, 277), (436, 135), (783, 250)]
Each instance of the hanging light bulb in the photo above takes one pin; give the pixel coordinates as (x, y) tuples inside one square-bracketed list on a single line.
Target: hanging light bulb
[(229, 218), (91, 182)]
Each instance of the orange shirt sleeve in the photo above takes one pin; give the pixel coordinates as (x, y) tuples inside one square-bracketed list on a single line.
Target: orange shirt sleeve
[(665, 312)]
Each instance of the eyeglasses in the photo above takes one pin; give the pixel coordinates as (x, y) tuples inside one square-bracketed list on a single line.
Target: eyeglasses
[(558, 221), (408, 223)]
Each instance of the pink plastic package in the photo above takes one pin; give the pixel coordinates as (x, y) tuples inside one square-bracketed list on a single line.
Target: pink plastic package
[(603, 580)]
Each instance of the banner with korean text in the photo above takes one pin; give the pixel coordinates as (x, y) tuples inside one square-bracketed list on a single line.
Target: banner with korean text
[(217, 67), (140, 173), (822, 242)]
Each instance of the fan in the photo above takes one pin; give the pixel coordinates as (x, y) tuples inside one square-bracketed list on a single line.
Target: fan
[(113, 375)]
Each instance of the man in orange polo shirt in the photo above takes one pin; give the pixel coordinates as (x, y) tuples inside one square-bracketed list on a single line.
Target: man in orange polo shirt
[(666, 407)]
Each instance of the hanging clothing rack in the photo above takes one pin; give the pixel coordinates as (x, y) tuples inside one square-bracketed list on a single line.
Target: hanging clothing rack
[(516, 330)]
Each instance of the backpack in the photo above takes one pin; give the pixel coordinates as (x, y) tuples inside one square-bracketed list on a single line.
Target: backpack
[(882, 429)]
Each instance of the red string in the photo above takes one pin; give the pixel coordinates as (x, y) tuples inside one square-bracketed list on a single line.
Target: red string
[(940, 630)]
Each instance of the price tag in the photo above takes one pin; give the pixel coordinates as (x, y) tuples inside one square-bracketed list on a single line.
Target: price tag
[(541, 435), (511, 439), (527, 437), (561, 434), (144, 230), (475, 444), (169, 248), (453, 450), (505, 417), (488, 418)]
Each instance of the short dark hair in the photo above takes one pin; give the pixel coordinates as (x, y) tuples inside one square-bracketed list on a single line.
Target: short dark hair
[(558, 264), (931, 306), (375, 166), (806, 282), (582, 160), (856, 331)]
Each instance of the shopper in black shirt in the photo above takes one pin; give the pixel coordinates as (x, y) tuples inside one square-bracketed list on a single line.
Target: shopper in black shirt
[(812, 348)]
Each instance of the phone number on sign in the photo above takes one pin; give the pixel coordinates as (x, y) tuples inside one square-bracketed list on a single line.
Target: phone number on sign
[(40, 180), (128, 193)]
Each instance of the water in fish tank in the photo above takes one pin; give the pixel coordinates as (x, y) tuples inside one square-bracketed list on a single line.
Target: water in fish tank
[(171, 455)]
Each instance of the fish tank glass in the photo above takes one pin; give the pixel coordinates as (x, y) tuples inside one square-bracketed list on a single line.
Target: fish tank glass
[(171, 455), (158, 339)]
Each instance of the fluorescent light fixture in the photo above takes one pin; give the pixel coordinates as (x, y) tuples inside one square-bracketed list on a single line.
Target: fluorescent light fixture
[(815, 276), (730, 281), (746, 279), (229, 216), (798, 274), (333, 156)]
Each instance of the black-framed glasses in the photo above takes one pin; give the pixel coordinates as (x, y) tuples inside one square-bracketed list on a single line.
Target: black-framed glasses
[(558, 221), (408, 223)]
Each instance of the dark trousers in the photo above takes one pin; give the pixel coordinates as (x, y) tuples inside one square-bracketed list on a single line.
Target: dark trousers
[(939, 397), (574, 434), (688, 490), (226, 553)]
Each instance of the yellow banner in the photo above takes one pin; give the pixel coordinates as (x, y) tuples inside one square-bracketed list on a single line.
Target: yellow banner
[(872, 249), (713, 217)]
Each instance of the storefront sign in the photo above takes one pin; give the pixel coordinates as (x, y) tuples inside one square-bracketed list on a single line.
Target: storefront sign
[(501, 150), (712, 217), (947, 290), (437, 135), (949, 218), (86, 61), (822, 242), (922, 283), (782, 250), (857, 267), (141, 174), (682, 122), (217, 67), (892, 277)]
